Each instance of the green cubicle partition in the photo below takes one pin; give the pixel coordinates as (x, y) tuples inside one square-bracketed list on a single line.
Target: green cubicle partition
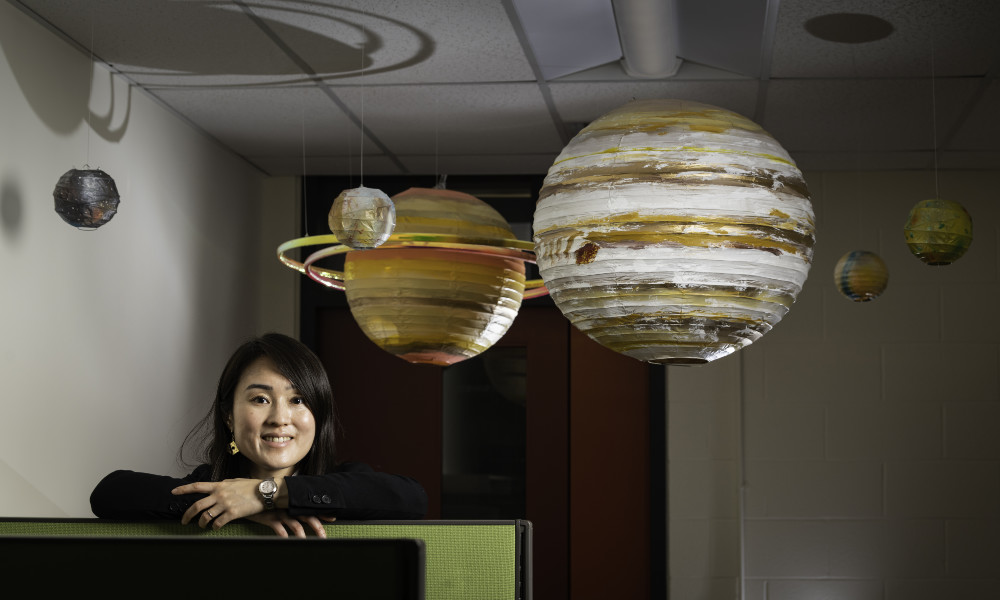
[(465, 560)]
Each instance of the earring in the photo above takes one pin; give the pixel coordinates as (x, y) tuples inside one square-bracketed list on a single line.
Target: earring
[(233, 448)]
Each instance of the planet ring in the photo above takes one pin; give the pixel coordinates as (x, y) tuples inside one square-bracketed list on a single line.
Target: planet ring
[(504, 248)]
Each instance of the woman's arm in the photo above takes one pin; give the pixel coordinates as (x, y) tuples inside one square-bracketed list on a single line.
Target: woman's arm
[(130, 495), (133, 496), (355, 492)]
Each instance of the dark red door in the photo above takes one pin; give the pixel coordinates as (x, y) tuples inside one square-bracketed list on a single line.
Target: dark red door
[(586, 455)]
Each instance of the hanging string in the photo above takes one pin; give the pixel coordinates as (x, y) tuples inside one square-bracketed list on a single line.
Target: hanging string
[(350, 161), (437, 169), (305, 186), (441, 178), (90, 84), (937, 193), (364, 37), (857, 138)]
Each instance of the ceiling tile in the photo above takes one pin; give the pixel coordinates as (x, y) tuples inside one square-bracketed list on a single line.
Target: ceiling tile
[(870, 115), (584, 102), (981, 129), (447, 85), (456, 119), (963, 33), (269, 121), (567, 36), (862, 161), (497, 164), (156, 42), (374, 164), (740, 24), (969, 160), (399, 41)]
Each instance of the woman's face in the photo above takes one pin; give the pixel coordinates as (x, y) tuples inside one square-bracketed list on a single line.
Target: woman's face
[(271, 423)]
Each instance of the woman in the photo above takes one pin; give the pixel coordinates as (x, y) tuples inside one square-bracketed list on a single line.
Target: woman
[(268, 454)]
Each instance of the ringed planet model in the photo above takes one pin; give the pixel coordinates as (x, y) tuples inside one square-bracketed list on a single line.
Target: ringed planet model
[(445, 286)]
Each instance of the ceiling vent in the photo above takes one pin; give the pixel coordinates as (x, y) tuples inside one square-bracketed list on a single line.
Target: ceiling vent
[(648, 33)]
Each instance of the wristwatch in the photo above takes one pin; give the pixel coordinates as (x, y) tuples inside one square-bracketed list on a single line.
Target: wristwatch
[(267, 488)]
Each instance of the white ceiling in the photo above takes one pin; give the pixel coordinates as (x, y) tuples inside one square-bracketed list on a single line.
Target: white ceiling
[(499, 86)]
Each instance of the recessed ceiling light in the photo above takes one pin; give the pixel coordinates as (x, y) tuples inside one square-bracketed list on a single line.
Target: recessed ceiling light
[(849, 28)]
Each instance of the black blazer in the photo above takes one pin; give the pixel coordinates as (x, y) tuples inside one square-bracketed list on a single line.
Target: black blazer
[(353, 491)]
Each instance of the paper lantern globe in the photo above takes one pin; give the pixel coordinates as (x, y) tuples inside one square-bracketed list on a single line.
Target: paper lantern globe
[(86, 198), (436, 305), (674, 232), (861, 276), (938, 232), (362, 218)]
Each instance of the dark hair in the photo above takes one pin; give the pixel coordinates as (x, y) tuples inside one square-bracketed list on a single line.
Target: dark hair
[(297, 363)]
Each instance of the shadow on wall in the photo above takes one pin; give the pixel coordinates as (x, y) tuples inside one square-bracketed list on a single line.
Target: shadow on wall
[(11, 207), (59, 96), (102, 124), (49, 92)]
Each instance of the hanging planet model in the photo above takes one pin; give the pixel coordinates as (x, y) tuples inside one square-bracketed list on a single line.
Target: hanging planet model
[(86, 198), (444, 287), (938, 232), (861, 275), (674, 232), (362, 218)]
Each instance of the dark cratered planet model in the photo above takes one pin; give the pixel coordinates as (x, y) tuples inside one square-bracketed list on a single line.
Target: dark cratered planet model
[(86, 198)]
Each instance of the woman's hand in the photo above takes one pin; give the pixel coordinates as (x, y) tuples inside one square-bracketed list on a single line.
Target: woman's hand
[(233, 499), (226, 501), (282, 524)]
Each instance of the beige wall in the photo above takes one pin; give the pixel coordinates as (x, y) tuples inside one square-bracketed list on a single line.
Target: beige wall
[(866, 436), (278, 285), (111, 341)]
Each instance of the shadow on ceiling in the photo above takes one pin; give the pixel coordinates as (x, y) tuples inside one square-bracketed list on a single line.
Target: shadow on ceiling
[(185, 41)]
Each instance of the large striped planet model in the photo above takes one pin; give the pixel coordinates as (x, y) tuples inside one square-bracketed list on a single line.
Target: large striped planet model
[(674, 232)]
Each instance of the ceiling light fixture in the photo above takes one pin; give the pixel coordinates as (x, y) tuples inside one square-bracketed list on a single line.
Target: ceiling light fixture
[(849, 28)]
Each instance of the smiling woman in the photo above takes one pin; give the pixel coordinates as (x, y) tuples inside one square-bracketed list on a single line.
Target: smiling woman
[(268, 452), (271, 424)]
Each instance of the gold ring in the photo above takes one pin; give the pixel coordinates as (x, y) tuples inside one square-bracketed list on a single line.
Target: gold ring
[(209, 515)]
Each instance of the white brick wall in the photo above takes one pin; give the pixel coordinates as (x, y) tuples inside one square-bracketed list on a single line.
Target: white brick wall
[(866, 436)]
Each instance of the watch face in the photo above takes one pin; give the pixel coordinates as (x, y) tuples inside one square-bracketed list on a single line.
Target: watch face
[(267, 487)]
